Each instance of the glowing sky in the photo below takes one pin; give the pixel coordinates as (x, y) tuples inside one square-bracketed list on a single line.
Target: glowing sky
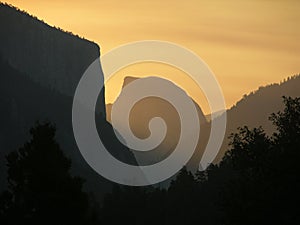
[(247, 44)]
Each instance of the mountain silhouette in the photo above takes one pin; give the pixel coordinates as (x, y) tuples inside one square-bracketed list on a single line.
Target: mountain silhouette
[(253, 110), (40, 68), (48, 55), (150, 107)]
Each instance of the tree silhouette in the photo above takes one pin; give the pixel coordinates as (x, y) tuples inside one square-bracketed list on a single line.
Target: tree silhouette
[(257, 182), (287, 123), (262, 184), (180, 199), (41, 189), (285, 167)]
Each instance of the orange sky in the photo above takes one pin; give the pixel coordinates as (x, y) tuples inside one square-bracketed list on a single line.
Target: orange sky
[(247, 44)]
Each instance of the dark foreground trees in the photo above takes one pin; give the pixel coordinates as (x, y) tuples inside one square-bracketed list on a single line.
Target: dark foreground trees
[(265, 182), (41, 189), (257, 182)]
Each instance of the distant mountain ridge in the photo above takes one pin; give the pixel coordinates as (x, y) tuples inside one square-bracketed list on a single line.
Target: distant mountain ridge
[(253, 110), (150, 107), (264, 101)]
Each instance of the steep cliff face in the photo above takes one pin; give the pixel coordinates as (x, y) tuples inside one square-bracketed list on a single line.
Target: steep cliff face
[(23, 102), (150, 107), (40, 67), (49, 56)]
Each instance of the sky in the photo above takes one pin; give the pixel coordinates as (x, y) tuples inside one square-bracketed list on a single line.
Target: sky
[(247, 44)]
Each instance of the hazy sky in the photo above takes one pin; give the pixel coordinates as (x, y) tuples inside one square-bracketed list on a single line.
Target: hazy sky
[(247, 44)]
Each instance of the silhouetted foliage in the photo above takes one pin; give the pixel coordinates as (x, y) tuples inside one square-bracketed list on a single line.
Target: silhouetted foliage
[(264, 182), (257, 182), (41, 189)]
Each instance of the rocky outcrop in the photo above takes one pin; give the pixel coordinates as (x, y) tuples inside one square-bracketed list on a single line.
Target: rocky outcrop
[(150, 107), (49, 56), (40, 67)]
